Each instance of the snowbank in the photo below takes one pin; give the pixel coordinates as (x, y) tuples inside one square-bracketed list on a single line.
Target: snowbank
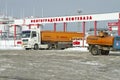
[(11, 48), (82, 49)]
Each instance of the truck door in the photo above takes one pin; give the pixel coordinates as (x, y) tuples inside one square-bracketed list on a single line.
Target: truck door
[(34, 38)]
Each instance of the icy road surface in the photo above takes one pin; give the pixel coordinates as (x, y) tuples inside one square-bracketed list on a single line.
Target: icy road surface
[(58, 65)]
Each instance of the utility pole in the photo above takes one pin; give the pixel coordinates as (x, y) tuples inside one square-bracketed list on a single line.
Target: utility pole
[(78, 12)]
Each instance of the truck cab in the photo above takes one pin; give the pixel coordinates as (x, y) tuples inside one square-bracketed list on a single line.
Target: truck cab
[(31, 39)]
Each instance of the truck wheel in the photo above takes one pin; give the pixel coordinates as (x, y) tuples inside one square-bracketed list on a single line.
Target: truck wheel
[(36, 47), (49, 46), (27, 48), (105, 52), (94, 50)]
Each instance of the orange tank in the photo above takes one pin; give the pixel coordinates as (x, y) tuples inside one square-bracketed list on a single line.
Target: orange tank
[(105, 40), (53, 36)]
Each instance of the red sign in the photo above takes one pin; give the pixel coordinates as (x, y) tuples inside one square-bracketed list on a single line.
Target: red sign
[(19, 42), (113, 24), (61, 19), (76, 42)]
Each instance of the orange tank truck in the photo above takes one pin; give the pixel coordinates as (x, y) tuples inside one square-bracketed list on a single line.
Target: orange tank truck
[(106, 41), (37, 39), (59, 40), (60, 36), (103, 43)]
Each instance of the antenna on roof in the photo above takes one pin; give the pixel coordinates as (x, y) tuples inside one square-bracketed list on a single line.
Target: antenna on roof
[(6, 6), (22, 13), (42, 13), (33, 12)]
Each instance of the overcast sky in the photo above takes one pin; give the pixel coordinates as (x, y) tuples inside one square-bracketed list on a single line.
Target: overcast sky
[(47, 8), (19, 8)]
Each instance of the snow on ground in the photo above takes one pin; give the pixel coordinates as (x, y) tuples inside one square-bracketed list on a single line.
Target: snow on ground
[(84, 49), (21, 48), (10, 45)]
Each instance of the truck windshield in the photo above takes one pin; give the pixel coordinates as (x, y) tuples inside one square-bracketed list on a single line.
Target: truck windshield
[(25, 34)]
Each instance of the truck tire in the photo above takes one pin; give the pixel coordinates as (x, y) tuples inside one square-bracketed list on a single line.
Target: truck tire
[(105, 52), (94, 50), (49, 46), (36, 47), (27, 48)]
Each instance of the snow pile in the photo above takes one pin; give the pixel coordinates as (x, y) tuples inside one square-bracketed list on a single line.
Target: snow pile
[(82, 49), (10, 45), (11, 48)]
